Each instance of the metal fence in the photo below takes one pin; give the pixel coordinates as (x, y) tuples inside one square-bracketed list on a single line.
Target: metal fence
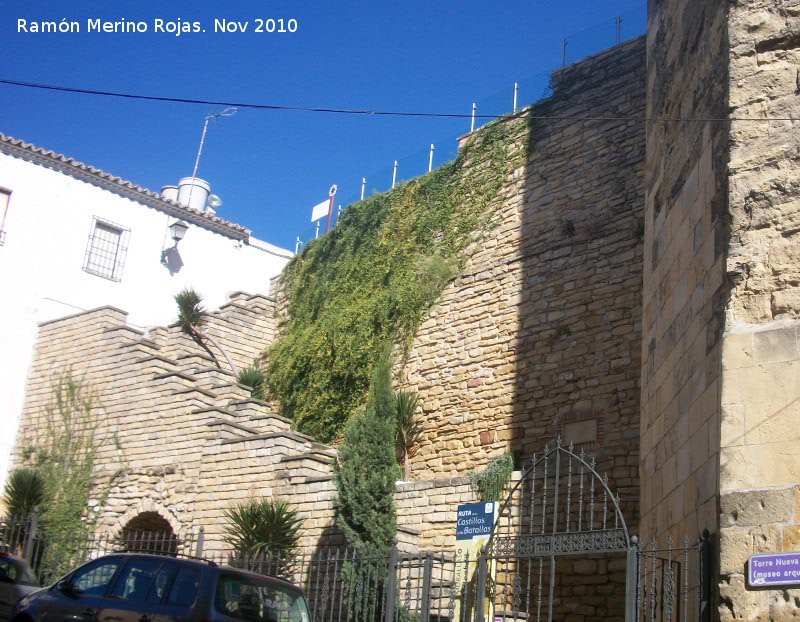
[(52, 555), (671, 582)]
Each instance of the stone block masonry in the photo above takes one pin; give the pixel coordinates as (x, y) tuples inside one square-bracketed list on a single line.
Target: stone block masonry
[(720, 320), (759, 471), (540, 336)]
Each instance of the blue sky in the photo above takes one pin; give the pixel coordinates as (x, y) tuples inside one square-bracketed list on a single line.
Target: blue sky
[(271, 167)]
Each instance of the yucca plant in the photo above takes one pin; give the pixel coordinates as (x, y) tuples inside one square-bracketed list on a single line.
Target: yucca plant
[(408, 428), (262, 527), (253, 377), (193, 317), (24, 491)]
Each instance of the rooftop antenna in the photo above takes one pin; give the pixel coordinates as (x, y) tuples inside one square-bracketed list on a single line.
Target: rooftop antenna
[(228, 112)]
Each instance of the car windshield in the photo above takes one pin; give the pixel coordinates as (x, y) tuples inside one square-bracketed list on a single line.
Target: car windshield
[(16, 571), (248, 597)]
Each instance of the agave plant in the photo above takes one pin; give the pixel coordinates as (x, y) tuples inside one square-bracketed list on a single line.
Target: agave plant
[(408, 428), (24, 491), (252, 377), (262, 527), (193, 317)]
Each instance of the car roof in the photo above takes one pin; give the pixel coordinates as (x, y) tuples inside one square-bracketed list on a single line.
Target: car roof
[(258, 575), (199, 561)]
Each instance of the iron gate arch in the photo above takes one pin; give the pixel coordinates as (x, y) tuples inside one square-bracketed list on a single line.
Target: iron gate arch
[(560, 506)]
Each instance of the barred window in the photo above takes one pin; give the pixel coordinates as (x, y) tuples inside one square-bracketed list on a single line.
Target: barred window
[(105, 252)]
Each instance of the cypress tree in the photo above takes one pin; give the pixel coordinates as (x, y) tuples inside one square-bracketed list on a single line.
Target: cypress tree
[(366, 471)]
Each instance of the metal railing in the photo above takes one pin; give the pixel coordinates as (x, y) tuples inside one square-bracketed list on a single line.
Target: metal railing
[(664, 582)]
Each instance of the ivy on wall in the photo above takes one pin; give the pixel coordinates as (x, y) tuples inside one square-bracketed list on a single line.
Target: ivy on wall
[(375, 276)]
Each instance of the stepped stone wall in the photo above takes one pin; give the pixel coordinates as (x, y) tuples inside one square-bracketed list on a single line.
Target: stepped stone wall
[(182, 441)]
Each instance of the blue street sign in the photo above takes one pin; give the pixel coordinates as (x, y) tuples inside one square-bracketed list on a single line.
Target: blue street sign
[(474, 520), (774, 569)]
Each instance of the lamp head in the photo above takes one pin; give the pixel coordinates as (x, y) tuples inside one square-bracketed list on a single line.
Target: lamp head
[(177, 230)]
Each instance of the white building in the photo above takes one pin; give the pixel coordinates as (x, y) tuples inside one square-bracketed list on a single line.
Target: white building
[(74, 238)]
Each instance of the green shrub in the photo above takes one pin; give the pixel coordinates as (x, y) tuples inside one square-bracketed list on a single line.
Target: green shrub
[(366, 472), (262, 527), (490, 484), (408, 431), (252, 377), (375, 276), (24, 491)]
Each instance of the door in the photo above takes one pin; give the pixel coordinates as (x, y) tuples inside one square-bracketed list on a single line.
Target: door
[(181, 601), (84, 593)]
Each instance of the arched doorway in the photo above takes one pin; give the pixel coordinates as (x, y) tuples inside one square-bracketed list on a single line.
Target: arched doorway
[(560, 547), (148, 532)]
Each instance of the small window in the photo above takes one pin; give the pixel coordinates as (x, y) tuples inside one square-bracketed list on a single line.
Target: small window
[(184, 588), (135, 581), (105, 252), (94, 578)]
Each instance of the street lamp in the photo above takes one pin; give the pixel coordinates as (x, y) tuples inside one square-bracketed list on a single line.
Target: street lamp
[(177, 230), (168, 255)]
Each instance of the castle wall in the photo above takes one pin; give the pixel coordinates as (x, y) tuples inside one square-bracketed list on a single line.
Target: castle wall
[(540, 335)]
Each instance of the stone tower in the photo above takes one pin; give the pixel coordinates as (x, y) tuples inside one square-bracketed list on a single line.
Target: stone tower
[(721, 295)]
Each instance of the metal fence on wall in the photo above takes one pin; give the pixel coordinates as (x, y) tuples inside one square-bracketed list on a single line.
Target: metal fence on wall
[(443, 146)]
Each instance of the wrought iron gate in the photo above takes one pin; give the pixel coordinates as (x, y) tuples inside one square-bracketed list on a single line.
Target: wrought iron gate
[(559, 527), (560, 547)]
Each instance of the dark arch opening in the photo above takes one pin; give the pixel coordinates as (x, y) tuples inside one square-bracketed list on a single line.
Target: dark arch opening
[(148, 532)]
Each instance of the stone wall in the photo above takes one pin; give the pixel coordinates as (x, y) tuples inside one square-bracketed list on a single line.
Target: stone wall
[(540, 336), (181, 442), (161, 399), (760, 459), (683, 284)]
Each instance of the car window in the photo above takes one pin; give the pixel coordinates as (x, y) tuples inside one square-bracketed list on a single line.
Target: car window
[(94, 579), (251, 598), (16, 571), (159, 587), (135, 580), (184, 587)]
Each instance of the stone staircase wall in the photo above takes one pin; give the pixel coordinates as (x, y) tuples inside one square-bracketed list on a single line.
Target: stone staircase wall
[(181, 438)]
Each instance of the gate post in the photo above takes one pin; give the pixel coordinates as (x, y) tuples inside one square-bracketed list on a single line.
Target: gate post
[(427, 572), (631, 580), (706, 576), (200, 537), (480, 586), (31, 536), (391, 583)]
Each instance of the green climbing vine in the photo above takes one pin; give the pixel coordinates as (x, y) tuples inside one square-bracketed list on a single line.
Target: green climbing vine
[(375, 276)]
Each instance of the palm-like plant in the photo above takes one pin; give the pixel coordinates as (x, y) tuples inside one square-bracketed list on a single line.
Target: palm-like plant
[(24, 491), (262, 527), (253, 377), (408, 428), (193, 318)]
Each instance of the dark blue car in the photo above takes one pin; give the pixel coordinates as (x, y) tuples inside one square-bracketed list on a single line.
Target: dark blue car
[(150, 588)]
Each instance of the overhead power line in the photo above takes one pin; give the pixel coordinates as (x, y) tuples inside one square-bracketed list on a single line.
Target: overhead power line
[(384, 113)]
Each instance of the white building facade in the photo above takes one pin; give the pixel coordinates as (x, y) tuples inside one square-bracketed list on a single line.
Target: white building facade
[(74, 238)]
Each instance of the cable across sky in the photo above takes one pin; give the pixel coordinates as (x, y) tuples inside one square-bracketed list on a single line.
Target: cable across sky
[(369, 112)]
